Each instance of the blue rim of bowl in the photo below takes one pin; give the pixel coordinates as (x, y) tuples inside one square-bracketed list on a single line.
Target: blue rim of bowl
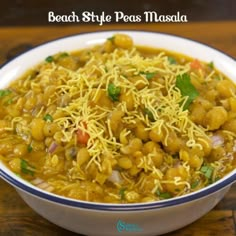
[(221, 184)]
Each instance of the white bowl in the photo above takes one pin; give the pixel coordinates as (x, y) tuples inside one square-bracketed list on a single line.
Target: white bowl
[(113, 219)]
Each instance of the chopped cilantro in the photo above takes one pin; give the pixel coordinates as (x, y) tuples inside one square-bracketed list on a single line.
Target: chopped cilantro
[(9, 101), (172, 60), (211, 64), (207, 170), (163, 195), (149, 114), (195, 184), (49, 59), (63, 54), (30, 148), (26, 168), (122, 193), (111, 38), (48, 117), (183, 83), (113, 92), (4, 92), (148, 75)]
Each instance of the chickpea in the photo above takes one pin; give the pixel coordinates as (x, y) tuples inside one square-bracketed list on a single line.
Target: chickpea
[(128, 100), (12, 110), (138, 81), (125, 162), (108, 46), (100, 178), (193, 156), (51, 109), (37, 126), (174, 143), (37, 145), (6, 147), (225, 88), (50, 129), (68, 62), (149, 147), (232, 104), (115, 120), (148, 199), (198, 113), (104, 100), (230, 125), (132, 196), (15, 165), (206, 145), (217, 153), (133, 146), (123, 41), (20, 150), (156, 135), (216, 117), (171, 174), (123, 137), (107, 167), (133, 171), (48, 92), (82, 156), (30, 101), (140, 131), (157, 158)]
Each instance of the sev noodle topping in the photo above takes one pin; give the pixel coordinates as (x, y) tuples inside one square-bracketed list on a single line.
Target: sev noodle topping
[(119, 123)]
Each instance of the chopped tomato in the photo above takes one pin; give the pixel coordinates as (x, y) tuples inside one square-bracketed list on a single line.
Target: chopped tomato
[(196, 64), (82, 136)]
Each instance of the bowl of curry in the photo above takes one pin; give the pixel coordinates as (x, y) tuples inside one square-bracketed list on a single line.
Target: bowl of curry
[(138, 126)]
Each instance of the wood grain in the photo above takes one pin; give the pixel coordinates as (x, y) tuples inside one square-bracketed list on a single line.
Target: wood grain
[(17, 219)]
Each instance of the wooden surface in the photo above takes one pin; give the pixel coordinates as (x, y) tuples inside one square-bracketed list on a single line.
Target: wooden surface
[(17, 219)]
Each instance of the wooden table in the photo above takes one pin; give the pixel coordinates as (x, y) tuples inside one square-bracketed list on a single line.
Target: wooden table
[(17, 219)]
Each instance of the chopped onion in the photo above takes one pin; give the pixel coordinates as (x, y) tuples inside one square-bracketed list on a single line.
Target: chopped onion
[(40, 183), (52, 147), (37, 181), (217, 140), (115, 177)]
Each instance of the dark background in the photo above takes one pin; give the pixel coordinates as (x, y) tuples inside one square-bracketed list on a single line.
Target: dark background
[(34, 12)]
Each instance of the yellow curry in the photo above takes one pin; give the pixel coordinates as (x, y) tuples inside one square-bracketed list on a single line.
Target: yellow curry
[(118, 123)]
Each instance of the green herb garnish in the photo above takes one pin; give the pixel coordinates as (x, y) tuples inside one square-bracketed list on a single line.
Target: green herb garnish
[(111, 38), (113, 92), (172, 60), (183, 83), (195, 184), (4, 92), (211, 64), (163, 195), (122, 193), (48, 117), (207, 170), (63, 54), (149, 114), (26, 168), (148, 75), (49, 59), (29, 148)]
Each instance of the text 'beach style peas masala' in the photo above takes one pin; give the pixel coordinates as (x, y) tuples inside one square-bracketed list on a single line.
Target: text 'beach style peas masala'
[(119, 123)]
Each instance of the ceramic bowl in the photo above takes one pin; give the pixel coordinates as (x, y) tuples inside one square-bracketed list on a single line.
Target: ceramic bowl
[(113, 219)]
